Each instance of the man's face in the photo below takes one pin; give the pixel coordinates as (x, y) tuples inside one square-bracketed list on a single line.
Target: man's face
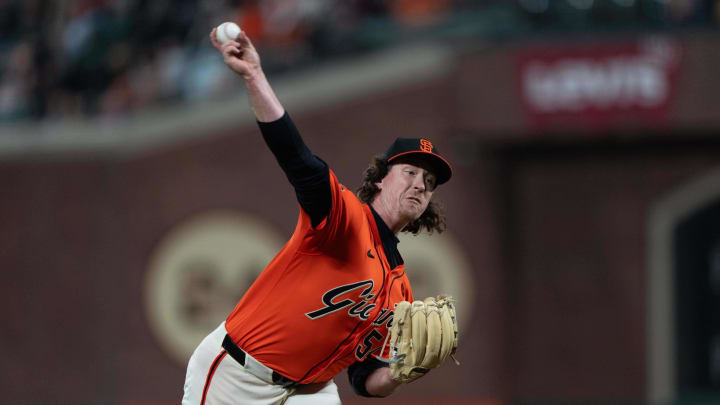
[(407, 188)]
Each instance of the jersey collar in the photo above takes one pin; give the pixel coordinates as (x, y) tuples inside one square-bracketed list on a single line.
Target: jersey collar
[(387, 236)]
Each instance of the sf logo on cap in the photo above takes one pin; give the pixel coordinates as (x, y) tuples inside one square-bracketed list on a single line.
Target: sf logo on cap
[(425, 145)]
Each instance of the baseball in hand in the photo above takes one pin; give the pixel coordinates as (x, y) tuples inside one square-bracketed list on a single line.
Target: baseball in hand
[(227, 31)]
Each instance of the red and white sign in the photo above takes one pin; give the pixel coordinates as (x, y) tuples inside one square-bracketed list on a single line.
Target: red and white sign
[(599, 83)]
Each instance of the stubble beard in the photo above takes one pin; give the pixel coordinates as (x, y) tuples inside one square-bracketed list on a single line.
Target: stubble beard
[(412, 211)]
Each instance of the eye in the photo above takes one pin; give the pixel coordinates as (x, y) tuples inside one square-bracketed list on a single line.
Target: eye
[(430, 180)]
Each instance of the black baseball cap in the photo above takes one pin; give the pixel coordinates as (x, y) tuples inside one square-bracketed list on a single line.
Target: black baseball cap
[(423, 149)]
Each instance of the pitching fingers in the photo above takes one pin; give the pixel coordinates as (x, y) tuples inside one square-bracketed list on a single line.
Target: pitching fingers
[(213, 39), (244, 39), (230, 48)]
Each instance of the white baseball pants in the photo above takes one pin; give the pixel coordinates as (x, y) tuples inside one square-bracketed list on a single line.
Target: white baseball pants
[(215, 378)]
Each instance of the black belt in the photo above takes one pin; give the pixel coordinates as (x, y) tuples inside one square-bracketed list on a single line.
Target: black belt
[(239, 355)]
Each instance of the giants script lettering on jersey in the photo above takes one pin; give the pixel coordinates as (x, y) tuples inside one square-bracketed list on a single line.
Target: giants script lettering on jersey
[(361, 309)]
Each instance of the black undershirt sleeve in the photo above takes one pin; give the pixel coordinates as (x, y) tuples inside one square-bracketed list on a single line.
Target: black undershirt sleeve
[(359, 372), (307, 173)]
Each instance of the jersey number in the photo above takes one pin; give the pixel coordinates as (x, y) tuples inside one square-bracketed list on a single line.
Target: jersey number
[(362, 351)]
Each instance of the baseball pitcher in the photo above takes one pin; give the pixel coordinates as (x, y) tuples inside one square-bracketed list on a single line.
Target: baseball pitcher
[(336, 296)]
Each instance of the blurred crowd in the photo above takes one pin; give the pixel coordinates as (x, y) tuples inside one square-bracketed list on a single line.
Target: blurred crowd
[(80, 58)]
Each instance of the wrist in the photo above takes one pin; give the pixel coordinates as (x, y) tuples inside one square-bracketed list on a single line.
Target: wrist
[(380, 383), (263, 100), (254, 77)]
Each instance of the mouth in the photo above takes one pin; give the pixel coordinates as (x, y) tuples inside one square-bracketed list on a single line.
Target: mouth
[(415, 199)]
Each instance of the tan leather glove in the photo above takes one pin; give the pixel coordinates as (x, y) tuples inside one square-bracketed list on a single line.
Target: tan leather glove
[(422, 336)]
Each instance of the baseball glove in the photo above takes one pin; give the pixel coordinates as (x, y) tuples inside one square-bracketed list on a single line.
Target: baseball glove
[(423, 334)]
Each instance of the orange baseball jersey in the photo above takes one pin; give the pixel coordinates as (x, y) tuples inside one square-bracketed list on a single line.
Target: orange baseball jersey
[(326, 300)]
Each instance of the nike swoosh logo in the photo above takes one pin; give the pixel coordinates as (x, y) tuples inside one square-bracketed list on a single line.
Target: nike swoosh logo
[(370, 255)]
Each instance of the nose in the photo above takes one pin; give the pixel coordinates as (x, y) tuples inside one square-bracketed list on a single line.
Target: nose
[(419, 182)]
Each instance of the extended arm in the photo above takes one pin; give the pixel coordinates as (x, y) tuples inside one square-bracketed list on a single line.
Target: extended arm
[(306, 172), (243, 59)]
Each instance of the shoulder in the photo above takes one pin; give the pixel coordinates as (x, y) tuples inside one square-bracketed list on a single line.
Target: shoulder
[(343, 192)]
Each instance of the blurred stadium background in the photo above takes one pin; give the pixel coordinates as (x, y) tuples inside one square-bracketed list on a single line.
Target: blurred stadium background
[(584, 217)]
